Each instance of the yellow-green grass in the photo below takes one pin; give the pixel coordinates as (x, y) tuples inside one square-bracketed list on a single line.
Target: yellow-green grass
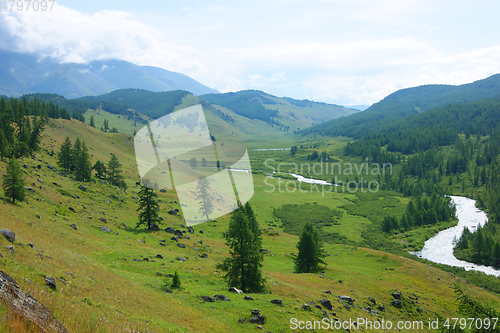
[(106, 293)]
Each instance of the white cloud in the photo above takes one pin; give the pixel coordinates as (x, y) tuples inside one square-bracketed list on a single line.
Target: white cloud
[(344, 52)]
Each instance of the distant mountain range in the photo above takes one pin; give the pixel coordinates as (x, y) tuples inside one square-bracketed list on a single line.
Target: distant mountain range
[(24, 73), (406, 102)]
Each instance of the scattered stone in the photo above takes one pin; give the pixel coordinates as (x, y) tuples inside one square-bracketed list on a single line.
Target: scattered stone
[(10, 248), (172, 212), (29, 188), (257, 319), (207, 299), (255, 312), (327, 292), (73, 226), (145, 259), (277, 302), (105, 229), (396, 295), (155, 227), (40, 181), (31, 245), (178, 233), (346, 299), (396, 303), (248, 298), (201, 231), (204, 255), (62, 281), (174, 238), (326, 304), (372, 300), (169, 291), (241, 320), (222, 298), (83, 188), (181, 245), (75, 196), (190, 230), (306, 307), (51, 167), (103, 220), (182, 259), (159, 256), (235, 290), (163, 190), (37, 216), (71, 209), (49, 281), (381, 308), (56, 184), (163, 244), (8, 234), (170, 230)]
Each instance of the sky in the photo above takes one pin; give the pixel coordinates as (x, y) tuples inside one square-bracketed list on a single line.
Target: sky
[(334, 51)]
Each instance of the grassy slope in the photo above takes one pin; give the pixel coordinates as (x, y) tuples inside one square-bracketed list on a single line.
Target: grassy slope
[(106, 293)]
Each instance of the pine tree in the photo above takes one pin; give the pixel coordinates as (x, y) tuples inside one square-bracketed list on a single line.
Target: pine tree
[(176, 281), (100, 169), (75, 153), (243, 267), (106, 125), (203, 196), (83, 165), (311, 253), (92, 121), (148, 207), (64, 155), (114, 172), (13, 181)]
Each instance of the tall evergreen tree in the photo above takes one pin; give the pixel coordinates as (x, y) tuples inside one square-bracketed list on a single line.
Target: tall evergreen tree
[(92, 121), (83, 165), (114, 172), (64, 156), (243, 267), (148, 207), (100, 169), (13, 181), (311, 253), (75, 153), (204, 197)]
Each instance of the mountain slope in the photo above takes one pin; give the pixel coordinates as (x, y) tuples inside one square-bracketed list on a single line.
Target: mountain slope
[(25, 73), (407, 102)]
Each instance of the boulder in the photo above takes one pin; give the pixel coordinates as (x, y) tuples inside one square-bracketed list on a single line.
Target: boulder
[(204, 255), (174, 238), (277, 302), (201, 231), (235, 290), (8, 234), (258, 319), (396, 294), (51, 282), (326, 304), (73, 226), (170, 230), (83, 188), (346, 299), (163, 190), (190, 230), (51, 167), (181, 245), (222, 298), (207, 299), (155, 227), (178, 233), (105, 229), (182, 259), (71, 209), (248, 298), (396, 303), (255, 312), (381, 308), (306, 307), (172, 212), (159, 256)]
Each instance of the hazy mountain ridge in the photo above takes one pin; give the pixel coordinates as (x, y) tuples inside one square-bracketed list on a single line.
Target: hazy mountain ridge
[(25, 73)]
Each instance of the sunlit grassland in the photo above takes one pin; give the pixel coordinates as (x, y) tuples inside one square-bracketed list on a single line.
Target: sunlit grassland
[(107, 291)]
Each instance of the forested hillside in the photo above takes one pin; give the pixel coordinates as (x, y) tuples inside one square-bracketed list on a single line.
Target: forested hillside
[(407, 102)]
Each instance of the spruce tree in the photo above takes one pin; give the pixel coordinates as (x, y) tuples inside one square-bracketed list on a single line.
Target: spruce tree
[(92, 121), (148, 207), (13, 181), (203, 196), (83, 165), (75, 153), (114, 172), (311, 253), (64, 155), (100, 169), (176, 281), (244, 266)]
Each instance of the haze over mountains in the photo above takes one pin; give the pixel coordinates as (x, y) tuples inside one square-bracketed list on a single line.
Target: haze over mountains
[(22, 73)]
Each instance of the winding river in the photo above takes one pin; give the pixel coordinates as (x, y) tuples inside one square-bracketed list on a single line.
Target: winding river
[(439, 249)]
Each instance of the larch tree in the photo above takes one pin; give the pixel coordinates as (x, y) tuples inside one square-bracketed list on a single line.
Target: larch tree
[(311, 253), (13, 181)]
